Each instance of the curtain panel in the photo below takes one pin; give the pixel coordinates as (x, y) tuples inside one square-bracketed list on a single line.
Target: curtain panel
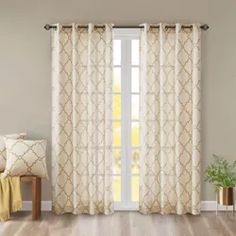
[(82, 120), (170, 120)]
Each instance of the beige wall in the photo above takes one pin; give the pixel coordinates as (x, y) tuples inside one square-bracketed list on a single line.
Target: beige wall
[(25, 88)]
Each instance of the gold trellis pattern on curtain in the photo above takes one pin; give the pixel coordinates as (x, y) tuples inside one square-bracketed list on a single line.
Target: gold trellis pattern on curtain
[(82, 119), (170, 120)]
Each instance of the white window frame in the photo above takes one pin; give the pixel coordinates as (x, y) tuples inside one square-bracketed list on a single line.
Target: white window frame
[(126, 35)]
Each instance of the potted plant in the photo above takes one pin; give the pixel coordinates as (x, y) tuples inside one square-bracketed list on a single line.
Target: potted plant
[(222, 175)]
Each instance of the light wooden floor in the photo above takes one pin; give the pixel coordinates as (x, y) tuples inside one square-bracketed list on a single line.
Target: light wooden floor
[(120, 224)]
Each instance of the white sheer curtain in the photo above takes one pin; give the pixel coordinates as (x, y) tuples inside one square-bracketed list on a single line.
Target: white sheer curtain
[(170, 120), (82, 120)]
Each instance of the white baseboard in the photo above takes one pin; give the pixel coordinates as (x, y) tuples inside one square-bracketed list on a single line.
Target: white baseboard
[(205, 206), (45, 206), (211, 206)]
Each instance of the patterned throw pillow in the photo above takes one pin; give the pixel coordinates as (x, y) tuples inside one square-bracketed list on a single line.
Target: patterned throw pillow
[(3, 147), (26, 157)]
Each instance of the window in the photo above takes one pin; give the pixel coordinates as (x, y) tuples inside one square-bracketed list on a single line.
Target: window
[(126, 123)]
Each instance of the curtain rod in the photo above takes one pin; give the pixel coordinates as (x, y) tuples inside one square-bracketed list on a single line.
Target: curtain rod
[(203, 27)]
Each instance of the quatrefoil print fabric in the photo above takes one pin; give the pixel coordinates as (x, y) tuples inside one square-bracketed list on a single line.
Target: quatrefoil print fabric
[(170, 120), (82, 119), (26, 157)]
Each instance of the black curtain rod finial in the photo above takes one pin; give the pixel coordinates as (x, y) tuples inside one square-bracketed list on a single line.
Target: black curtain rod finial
[(205, 27), (47, 27)]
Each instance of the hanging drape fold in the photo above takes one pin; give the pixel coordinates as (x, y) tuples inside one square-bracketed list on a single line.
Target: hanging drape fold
[(170, 120), (82, 120)]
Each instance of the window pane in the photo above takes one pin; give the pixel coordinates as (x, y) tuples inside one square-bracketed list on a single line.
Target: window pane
[(135, 161), (116, 133), (135, 134), (117, 188), (135, 107), (116, 107), (117, 161), (135, 188), (117, 80), (117, 52), (135, 52), (135, 80)]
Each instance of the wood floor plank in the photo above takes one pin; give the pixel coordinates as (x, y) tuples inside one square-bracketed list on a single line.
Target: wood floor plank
[(229, 223), (215, 226), (120, 224)]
